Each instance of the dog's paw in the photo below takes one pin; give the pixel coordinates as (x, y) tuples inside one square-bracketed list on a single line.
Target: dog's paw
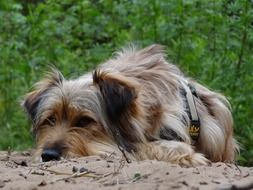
[(196, 159), (174, 152)]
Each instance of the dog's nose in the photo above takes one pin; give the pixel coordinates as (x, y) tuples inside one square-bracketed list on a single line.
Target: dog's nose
[(50, 154)]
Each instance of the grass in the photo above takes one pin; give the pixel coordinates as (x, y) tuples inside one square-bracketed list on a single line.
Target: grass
[(210, 40)]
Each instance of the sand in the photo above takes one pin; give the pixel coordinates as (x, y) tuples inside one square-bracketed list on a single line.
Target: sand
[(114, 173)]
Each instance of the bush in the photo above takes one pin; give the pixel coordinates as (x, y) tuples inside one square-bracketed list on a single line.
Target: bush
[(210, 40)]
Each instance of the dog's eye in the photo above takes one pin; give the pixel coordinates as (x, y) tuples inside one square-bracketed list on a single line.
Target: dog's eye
[(49, 121), (83, 121)]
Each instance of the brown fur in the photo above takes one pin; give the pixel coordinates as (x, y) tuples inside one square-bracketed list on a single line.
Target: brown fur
[(132, 101)]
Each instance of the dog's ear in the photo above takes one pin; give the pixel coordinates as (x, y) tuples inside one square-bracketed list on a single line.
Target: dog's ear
[(117, 93), (32, 100), (120, 97)]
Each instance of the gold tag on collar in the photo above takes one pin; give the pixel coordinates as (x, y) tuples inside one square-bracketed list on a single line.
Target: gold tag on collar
[(194, 131)]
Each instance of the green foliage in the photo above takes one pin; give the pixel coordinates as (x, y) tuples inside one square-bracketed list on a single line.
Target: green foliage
[(210, 40)]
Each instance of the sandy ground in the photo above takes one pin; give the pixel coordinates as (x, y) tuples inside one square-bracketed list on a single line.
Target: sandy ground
[(94, 172)]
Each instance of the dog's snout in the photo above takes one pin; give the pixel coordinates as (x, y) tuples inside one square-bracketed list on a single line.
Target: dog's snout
[(50, 154)]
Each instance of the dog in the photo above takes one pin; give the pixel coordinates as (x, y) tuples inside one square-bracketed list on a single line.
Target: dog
[(136, 104)]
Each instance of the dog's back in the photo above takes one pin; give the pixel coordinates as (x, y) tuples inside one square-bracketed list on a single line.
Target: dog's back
[(159, 86)]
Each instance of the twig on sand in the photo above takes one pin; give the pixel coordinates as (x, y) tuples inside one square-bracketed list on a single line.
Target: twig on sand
[(107, 157), (76, 175), (122, 164), (238, 168), (54, 172), (70, 176)]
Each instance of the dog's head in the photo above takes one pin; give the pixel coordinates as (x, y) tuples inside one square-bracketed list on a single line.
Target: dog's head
[(83, 116)]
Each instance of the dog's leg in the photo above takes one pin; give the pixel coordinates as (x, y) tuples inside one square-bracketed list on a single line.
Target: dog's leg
[(172, 151)]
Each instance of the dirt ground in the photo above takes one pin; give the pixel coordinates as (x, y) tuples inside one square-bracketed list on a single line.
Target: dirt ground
[(111, 173)]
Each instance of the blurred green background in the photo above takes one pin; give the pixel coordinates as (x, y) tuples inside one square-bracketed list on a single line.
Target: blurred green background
[(211, 40)]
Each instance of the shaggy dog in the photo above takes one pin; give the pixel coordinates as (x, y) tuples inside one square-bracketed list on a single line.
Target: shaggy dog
[(137, 104)]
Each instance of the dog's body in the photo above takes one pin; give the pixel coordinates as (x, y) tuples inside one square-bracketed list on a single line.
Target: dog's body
[(135, 103)]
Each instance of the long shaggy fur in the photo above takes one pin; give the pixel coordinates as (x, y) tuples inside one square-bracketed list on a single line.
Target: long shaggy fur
[(132, 102)]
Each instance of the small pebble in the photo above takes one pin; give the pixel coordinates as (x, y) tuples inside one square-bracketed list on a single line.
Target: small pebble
[(203, 183), (67, 180), (83, 169), (24, 163), (184, 183), (74, 169), (7, 180), (43, 183), (23, 175), (216, 182)]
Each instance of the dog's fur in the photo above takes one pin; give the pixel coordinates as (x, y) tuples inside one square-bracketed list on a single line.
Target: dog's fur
[(132, 102)]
